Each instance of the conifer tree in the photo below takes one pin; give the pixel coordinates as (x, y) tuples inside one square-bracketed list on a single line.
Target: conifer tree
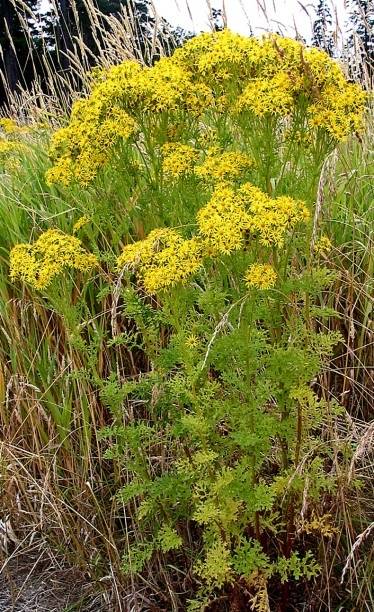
[(361, 40), (67, 30), (217, 19), (73, 18), (16, 66), (322, 33)]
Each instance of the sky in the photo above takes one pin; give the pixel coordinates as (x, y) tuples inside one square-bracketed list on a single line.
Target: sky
[(262, 15), (288, 16)]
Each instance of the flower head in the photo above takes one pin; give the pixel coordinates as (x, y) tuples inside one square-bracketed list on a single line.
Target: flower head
[(261, 276), (82, 221), (272, 218), (38, 263), (163, 259), (224, 220), (268, 96), (323, 245), (229, 73), (178, 159), (9, 126), (223, 166)]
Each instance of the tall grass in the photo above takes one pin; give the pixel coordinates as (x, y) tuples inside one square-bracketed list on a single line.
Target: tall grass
[(60, 76), (63, 352)]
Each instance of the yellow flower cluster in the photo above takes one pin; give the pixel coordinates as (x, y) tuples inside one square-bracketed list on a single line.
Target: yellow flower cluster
[(38, 263), (223, 166), (9, 126), (178, 159), (272, 96), (163, 259), (272, 218), (320, 70), (231, 215), (269, 75), (261, 276), (82, 221), (162, 87), (9, 153), (86, 144), (224, 220), (323, 246), (11, 146), (219, 71), (339, 111), (141, 253), (8, 146)]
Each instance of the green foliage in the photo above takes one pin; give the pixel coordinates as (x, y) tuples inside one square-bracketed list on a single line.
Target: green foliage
[(249, 557), (168, 539), (136, 558), (297, 567)]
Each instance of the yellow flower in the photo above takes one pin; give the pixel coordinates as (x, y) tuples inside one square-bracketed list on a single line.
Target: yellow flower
[(163, 259), (23, 263), (62, 172), (224, 220), (321, 69), (323, 245), (272, 218), (141, 253), (84, 146), (80, 223), (198, 98), (172, 266), (261, 276), (8, 147), (273, 96), (38, 263), (223, 166), (192, 341), (221, 71), (178, 159), (339, 110), (9, 126)]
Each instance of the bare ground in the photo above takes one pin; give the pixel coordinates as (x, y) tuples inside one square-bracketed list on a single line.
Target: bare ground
[(36, 582)]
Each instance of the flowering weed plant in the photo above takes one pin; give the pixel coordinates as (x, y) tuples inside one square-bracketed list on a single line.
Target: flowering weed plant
[(211, 266)]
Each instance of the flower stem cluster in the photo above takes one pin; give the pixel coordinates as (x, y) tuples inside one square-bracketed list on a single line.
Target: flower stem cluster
[(11, 144), (164, 258), (223, 166), (231, 215)]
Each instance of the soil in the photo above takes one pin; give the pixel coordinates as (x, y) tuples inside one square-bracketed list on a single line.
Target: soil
[(35, 583)]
